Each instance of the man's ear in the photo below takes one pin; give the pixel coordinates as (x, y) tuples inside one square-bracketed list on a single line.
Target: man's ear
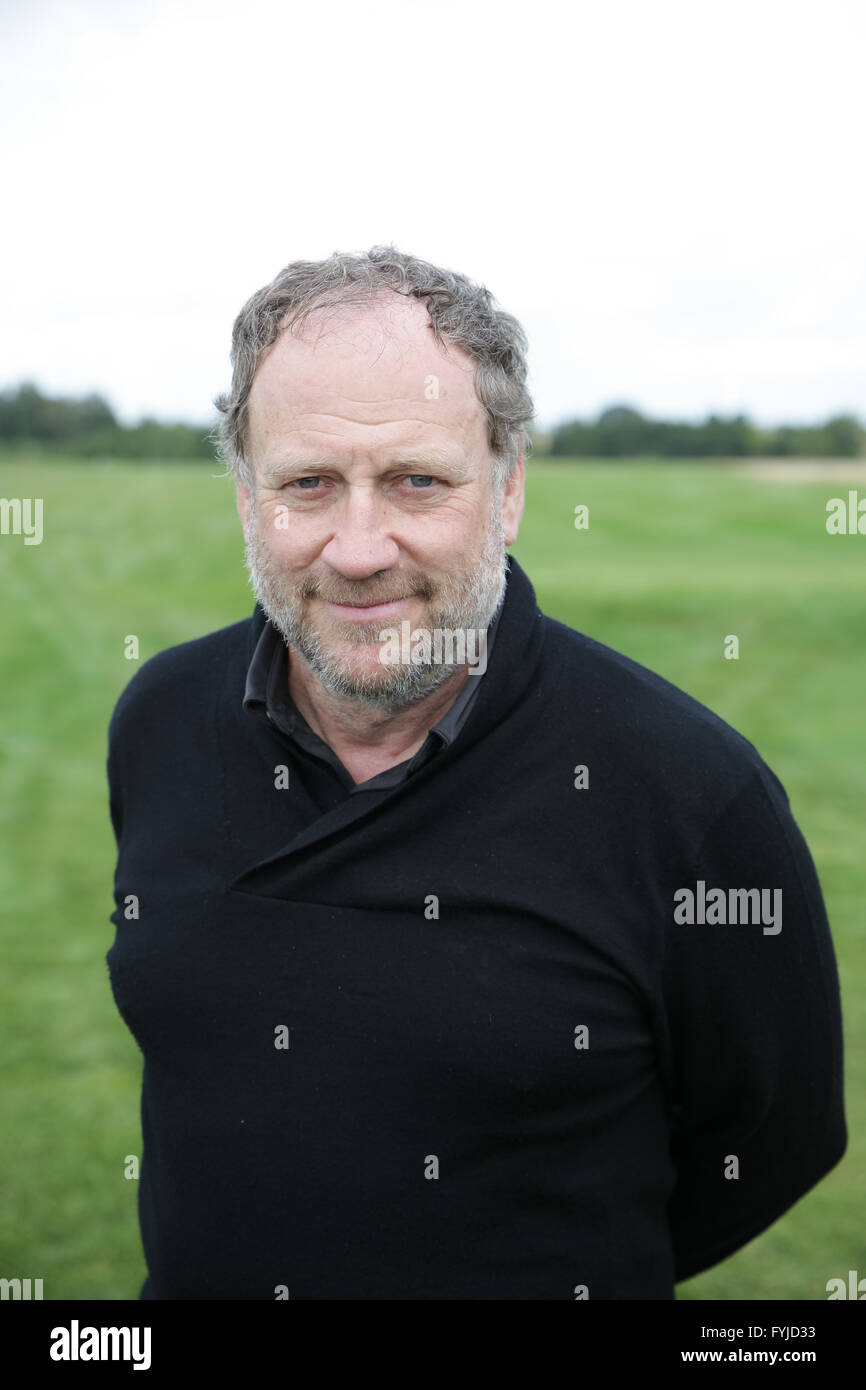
[(245, 502), (513, 502)]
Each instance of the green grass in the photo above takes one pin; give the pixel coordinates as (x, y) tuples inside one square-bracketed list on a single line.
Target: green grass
[(676, 557)]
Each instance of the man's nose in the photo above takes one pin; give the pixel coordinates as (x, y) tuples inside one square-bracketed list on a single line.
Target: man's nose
[(361, 543)]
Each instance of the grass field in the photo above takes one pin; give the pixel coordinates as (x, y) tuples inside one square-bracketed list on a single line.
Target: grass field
[(675, 559)]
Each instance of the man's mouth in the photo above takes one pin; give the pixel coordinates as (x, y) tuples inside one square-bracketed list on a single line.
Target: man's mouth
[(365, 610)]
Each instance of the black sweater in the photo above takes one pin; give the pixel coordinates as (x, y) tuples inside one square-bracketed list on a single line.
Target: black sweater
[(448, 1041)]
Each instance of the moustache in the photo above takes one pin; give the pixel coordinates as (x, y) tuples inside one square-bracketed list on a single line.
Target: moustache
[(364, 599)]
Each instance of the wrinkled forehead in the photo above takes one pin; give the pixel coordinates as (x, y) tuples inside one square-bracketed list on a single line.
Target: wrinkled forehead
[(368, 362)]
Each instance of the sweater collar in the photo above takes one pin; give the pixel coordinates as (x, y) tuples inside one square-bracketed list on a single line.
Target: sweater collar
[(510, 677), (266, 683)]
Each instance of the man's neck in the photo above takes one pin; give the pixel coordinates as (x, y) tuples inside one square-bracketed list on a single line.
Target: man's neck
[(367, 739)]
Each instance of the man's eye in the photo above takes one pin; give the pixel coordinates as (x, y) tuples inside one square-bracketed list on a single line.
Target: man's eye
[(420, 482)]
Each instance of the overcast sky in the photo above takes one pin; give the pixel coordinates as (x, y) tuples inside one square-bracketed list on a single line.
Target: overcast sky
[(667, 193)]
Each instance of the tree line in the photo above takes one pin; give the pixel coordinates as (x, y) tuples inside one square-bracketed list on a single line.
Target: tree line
[(86, 427), (622, 432)]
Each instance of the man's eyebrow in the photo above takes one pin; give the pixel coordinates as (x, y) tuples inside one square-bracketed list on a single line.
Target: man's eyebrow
[(417, 458)]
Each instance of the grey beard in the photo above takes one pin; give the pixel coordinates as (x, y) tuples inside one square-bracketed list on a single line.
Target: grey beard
[(463, 603)]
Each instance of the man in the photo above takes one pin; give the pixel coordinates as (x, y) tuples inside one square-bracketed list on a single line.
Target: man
[(494, 979)]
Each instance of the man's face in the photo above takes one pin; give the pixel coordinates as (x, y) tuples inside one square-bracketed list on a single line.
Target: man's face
[(374, 502)]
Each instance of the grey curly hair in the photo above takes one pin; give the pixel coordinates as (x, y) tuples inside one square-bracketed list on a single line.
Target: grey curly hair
[(461, 312)]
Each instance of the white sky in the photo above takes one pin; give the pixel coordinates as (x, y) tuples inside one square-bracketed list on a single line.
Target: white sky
[(667, 193)]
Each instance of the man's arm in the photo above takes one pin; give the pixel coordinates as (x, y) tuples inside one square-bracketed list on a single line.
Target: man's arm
[(756, 1033)]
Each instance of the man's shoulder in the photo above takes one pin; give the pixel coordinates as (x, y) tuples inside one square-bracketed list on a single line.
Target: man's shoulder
[(644, 716), (179, 673)]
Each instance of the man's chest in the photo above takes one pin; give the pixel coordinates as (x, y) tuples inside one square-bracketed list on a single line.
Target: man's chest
[(489, 928)]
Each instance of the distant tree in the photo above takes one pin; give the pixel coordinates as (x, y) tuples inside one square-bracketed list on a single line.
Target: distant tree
[(782, 442), (27, 414), (88, 428), (844, 437), (726, 438), (574, 440), (622, 432)]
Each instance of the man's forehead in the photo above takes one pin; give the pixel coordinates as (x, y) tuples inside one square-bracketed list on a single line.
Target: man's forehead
[(385, 351)]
